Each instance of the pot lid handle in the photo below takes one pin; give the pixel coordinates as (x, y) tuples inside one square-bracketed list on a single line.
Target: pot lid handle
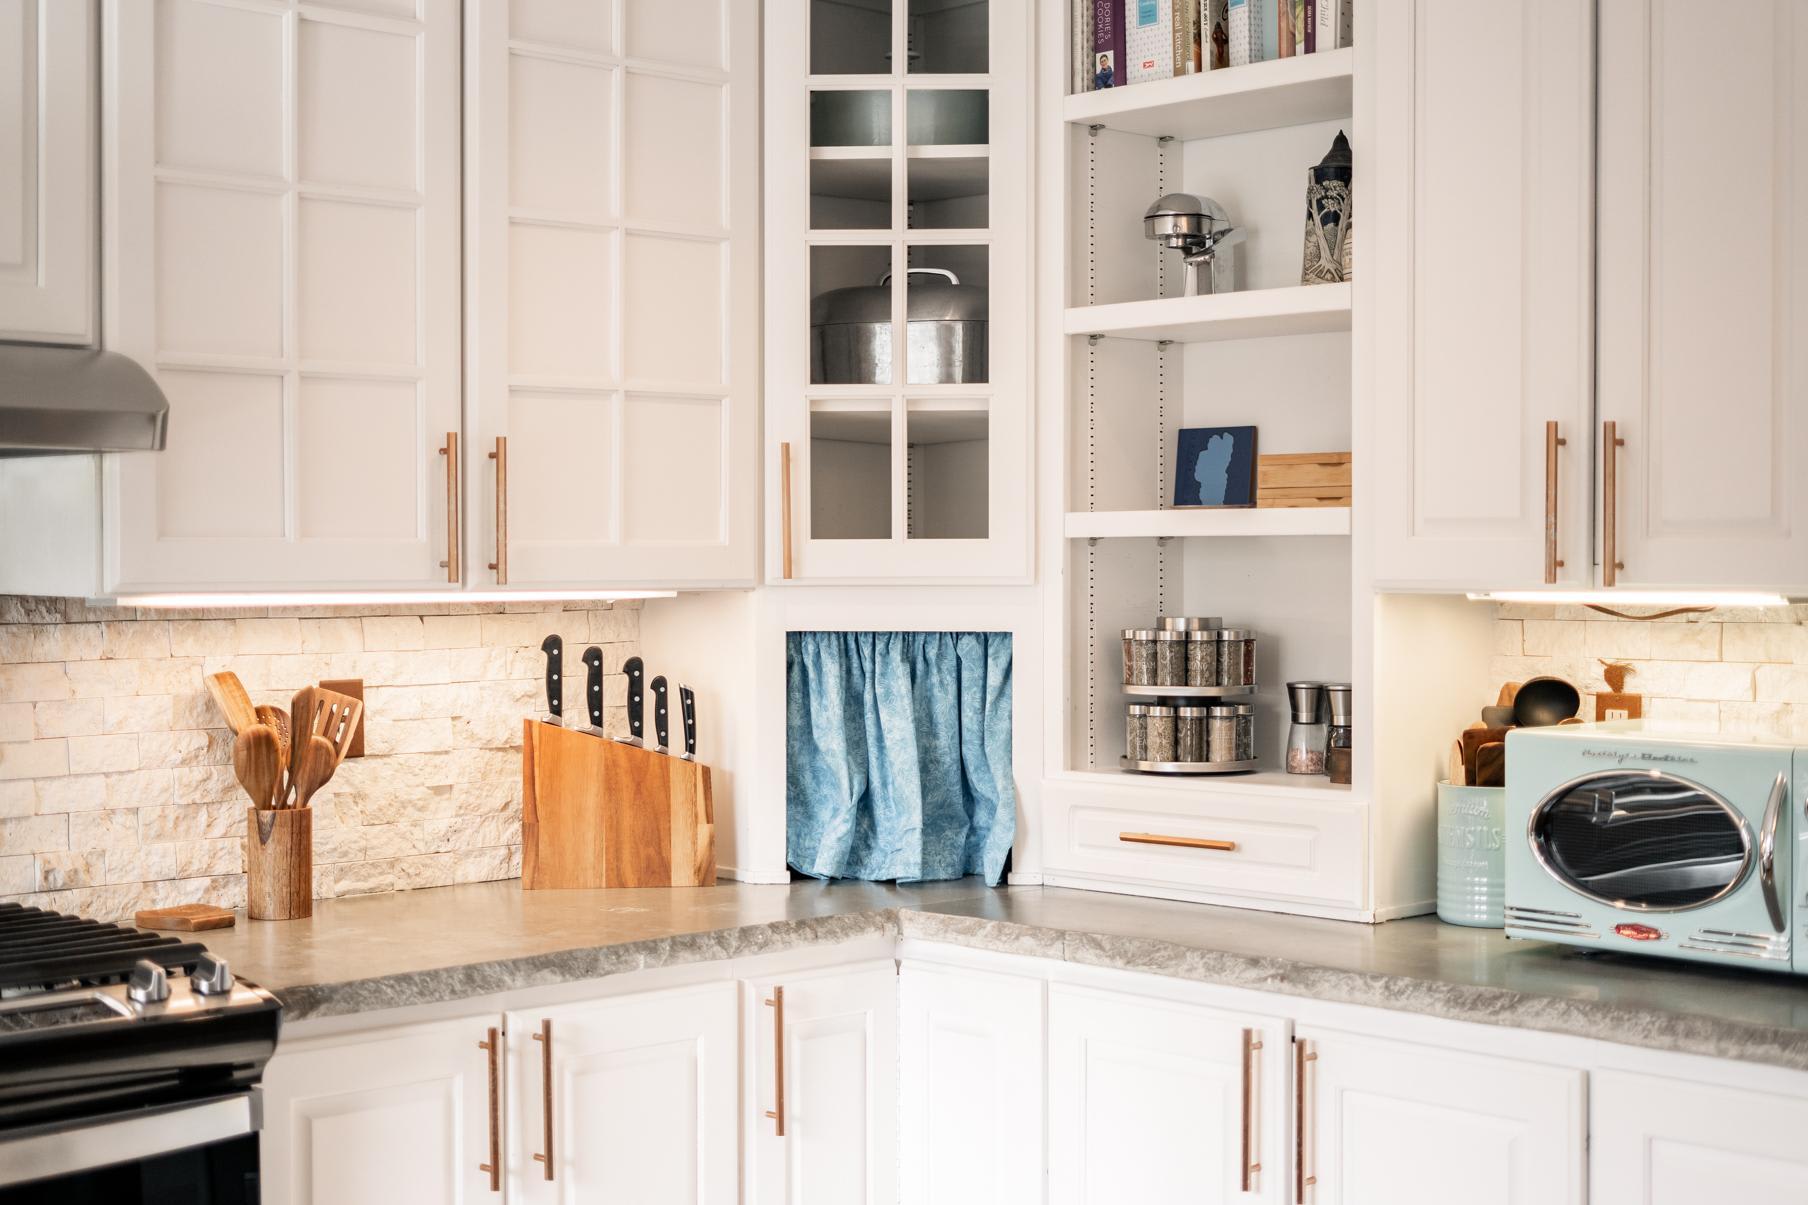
[(952, 278)]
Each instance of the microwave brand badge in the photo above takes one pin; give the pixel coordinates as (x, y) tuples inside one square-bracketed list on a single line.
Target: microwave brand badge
[(1633, 932), (1631, 755)]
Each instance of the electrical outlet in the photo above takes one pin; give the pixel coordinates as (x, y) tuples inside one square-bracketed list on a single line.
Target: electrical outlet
[(1615, 713)]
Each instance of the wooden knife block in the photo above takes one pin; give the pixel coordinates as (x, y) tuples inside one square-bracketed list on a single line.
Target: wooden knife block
[(598, 813)]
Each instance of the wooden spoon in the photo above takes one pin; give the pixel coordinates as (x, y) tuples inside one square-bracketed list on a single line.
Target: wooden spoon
[(315, 761), (257, 765), (230, 696)]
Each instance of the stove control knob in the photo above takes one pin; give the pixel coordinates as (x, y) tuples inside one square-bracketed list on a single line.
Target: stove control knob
[(211, 976), (148, 984)]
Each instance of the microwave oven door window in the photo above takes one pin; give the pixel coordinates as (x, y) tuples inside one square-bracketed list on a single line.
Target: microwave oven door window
[(1642, 840)]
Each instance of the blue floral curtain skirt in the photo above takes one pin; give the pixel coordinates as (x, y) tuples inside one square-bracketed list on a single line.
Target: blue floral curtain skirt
[(898, 755)]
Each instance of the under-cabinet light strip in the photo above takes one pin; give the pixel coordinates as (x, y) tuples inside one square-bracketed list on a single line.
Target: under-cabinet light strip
[(365, 598), (1635, 598)]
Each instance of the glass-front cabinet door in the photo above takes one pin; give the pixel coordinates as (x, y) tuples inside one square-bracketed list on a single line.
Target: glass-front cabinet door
[(897, 289)]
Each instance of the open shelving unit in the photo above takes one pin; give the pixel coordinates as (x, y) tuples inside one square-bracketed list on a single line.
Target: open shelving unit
[(1143, 361)]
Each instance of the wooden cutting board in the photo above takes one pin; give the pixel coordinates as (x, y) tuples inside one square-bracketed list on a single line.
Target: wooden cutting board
[(598, 813), (185, 918)]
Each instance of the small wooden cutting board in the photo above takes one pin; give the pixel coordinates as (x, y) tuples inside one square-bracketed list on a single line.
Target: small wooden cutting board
[(186, 918)]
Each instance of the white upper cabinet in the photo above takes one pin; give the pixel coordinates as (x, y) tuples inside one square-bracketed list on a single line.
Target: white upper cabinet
[(282, 251), (897, 300), (612, 244), (1703, 328), (1393, 1123), (1475, 290), (47, 190)]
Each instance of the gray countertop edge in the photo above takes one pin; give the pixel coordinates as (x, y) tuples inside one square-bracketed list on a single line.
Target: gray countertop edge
[(1680, 1033)]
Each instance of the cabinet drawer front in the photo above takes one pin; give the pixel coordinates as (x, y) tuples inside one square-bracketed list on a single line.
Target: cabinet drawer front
[(1281, 849)]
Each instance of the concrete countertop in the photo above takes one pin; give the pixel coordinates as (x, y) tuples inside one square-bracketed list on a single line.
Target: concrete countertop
[(449, 943)]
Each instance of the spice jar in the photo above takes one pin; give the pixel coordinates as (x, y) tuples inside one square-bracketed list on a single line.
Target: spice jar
[(1202, 657), (1136, 732), (1190, 735), (1170, 657), (1231, 732), (1159, 725), (1236, 657), (1139, 657), (1340, 743), (1189, 623), (1306, 738)]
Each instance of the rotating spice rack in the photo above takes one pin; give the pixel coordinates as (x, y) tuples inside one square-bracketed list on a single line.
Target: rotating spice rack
[(1194, 650)]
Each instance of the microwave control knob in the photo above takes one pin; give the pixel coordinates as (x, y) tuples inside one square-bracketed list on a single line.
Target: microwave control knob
[(148, 983), (211, 976)]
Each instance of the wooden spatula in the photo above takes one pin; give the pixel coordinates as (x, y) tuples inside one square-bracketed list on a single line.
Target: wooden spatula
[(336, 719), (315, 760), (229, 695), (256, 763)]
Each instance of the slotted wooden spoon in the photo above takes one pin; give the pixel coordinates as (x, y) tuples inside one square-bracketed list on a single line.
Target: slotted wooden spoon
[(278, 719), (257, 765), (230, 696)]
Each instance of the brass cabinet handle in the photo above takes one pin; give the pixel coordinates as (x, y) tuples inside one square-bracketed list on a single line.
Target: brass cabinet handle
[(784, 503), (1252, 1143), (1552, 441), (500, 456), (1183, 842), (777, 1111), (494, 1166), (1611, 564), (450, 452), (1303, 1056), (544, 1037)]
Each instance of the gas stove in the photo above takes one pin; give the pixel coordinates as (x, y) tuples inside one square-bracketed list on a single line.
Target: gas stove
[(124, 1055)]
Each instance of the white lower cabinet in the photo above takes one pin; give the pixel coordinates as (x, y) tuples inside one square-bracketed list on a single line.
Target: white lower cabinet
[(1661, 1141), (371, 1119), (822, 1091), (1396, 1123), (630, 1098), (970, 1087), (1160, 1100)]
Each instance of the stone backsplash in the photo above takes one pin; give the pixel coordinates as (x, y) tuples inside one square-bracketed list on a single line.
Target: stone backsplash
[(1732, 669), (116, 785)]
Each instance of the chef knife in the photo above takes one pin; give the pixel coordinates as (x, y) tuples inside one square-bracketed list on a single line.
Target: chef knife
[(687, 711), (554, 648), (634, 672), (661, 727), (593, 685)]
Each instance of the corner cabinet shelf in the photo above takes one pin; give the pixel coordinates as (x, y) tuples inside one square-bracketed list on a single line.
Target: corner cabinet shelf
[(1261, 96), (1166, 524), (1255, 314)]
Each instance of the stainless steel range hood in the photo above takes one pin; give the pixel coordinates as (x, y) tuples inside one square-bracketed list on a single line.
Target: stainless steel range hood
[(58, 400)]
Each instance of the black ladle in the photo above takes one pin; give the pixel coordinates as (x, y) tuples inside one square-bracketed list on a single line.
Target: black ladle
[(1542, 702)]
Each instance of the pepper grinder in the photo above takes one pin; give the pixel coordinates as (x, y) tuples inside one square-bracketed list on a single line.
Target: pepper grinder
[(1341, 743), (1306, 738)]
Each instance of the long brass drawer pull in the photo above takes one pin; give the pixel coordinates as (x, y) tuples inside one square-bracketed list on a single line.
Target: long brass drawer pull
[(1303, 1057), (1182, 842), (1552, 441), (494, 1166), (544, 1037), (777, 1111), (450, 452), (1252, 1141), (500, 456)]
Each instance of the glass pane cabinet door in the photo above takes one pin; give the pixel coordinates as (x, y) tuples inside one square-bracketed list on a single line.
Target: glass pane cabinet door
[(897, 288)]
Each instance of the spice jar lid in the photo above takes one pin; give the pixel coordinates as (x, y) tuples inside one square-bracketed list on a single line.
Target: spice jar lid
[(1236, 634), (1202, 635), (1192, 712), (1170, 635), (1234, 709), (1158, 710), (1137, 709), (1139, 633), (1189, 623)]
